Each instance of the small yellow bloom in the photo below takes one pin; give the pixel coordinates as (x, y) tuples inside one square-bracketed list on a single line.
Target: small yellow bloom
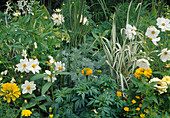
[(1, 78), (34, 57), (0, 62), (133, 101), (107, 93), (26, 113), (168, 65), (137, 97), (142, 100), (142, 115), (104, 89), (99, 71), (140, 105), (146, 111), (50, 108), (119, 94), (87, 71), (42, 53), (126, 108), (137, 109), (51, 115), (45, 17), (10, 67), (22, 76)]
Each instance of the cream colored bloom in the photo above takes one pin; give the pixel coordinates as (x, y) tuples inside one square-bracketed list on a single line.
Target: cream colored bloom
[(163, 23), (152, 32), (142, 63), (130, 31), (59, 66), (35, 44), (161, 86), (57, 10), (24, 53), (84, 20), (16, 14), (4, 72), (48, 78), (23, 65), (166, 79), (28, 87), (165, 55), (34, 65), (57, 18)]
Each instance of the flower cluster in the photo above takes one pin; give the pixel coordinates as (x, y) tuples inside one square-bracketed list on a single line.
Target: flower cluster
[(10, 91), (162, 85), (146, 72), (26, 65), (26, 113)]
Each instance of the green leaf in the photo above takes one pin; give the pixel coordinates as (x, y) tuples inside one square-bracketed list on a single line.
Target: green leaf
[(38, 76), (45, 34), (29, 105), (17, 45), (45, 88), (62, 73), (43, 108), (29, 96)]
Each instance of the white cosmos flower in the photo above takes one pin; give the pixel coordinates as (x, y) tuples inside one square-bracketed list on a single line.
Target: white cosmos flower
[(52, 60), (28, 87), (57, 18), (24, 53), (23, 65), (16, 14), (130, 31), (34, 65), (155, 40), (163, 23), (35, 44), (142, 63), (59, 66), (84, 20), (152, 32), (48, 78), (164, 55)]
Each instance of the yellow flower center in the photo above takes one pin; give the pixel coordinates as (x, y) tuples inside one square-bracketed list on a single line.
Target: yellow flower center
[(159, 83), (151, 39), (34, 65), (54, 60), (24, 65), (163, 24), (60, 68), (167, 79), (153, 32), (131, 29), (165, 53), (28, 87), (50, 75)]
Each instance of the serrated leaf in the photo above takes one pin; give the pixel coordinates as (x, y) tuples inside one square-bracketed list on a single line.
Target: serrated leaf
[(38, 76), (45, 88)]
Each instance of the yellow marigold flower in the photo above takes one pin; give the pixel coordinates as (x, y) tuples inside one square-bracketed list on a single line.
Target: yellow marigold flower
[(126, 108), (10, 91), (119, 94), (51, 115), (146, 111), (137, 97), (168, 65), (87, 71), (142, 115), (142, 100), (26, 113), (166, 79), (140, 105), (139, 72), (133, 101), (99, 71), (137, 109), (148, 72), (104, 89)]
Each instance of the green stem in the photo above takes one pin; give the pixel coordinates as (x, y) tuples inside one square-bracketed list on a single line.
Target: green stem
[(52, 92)]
